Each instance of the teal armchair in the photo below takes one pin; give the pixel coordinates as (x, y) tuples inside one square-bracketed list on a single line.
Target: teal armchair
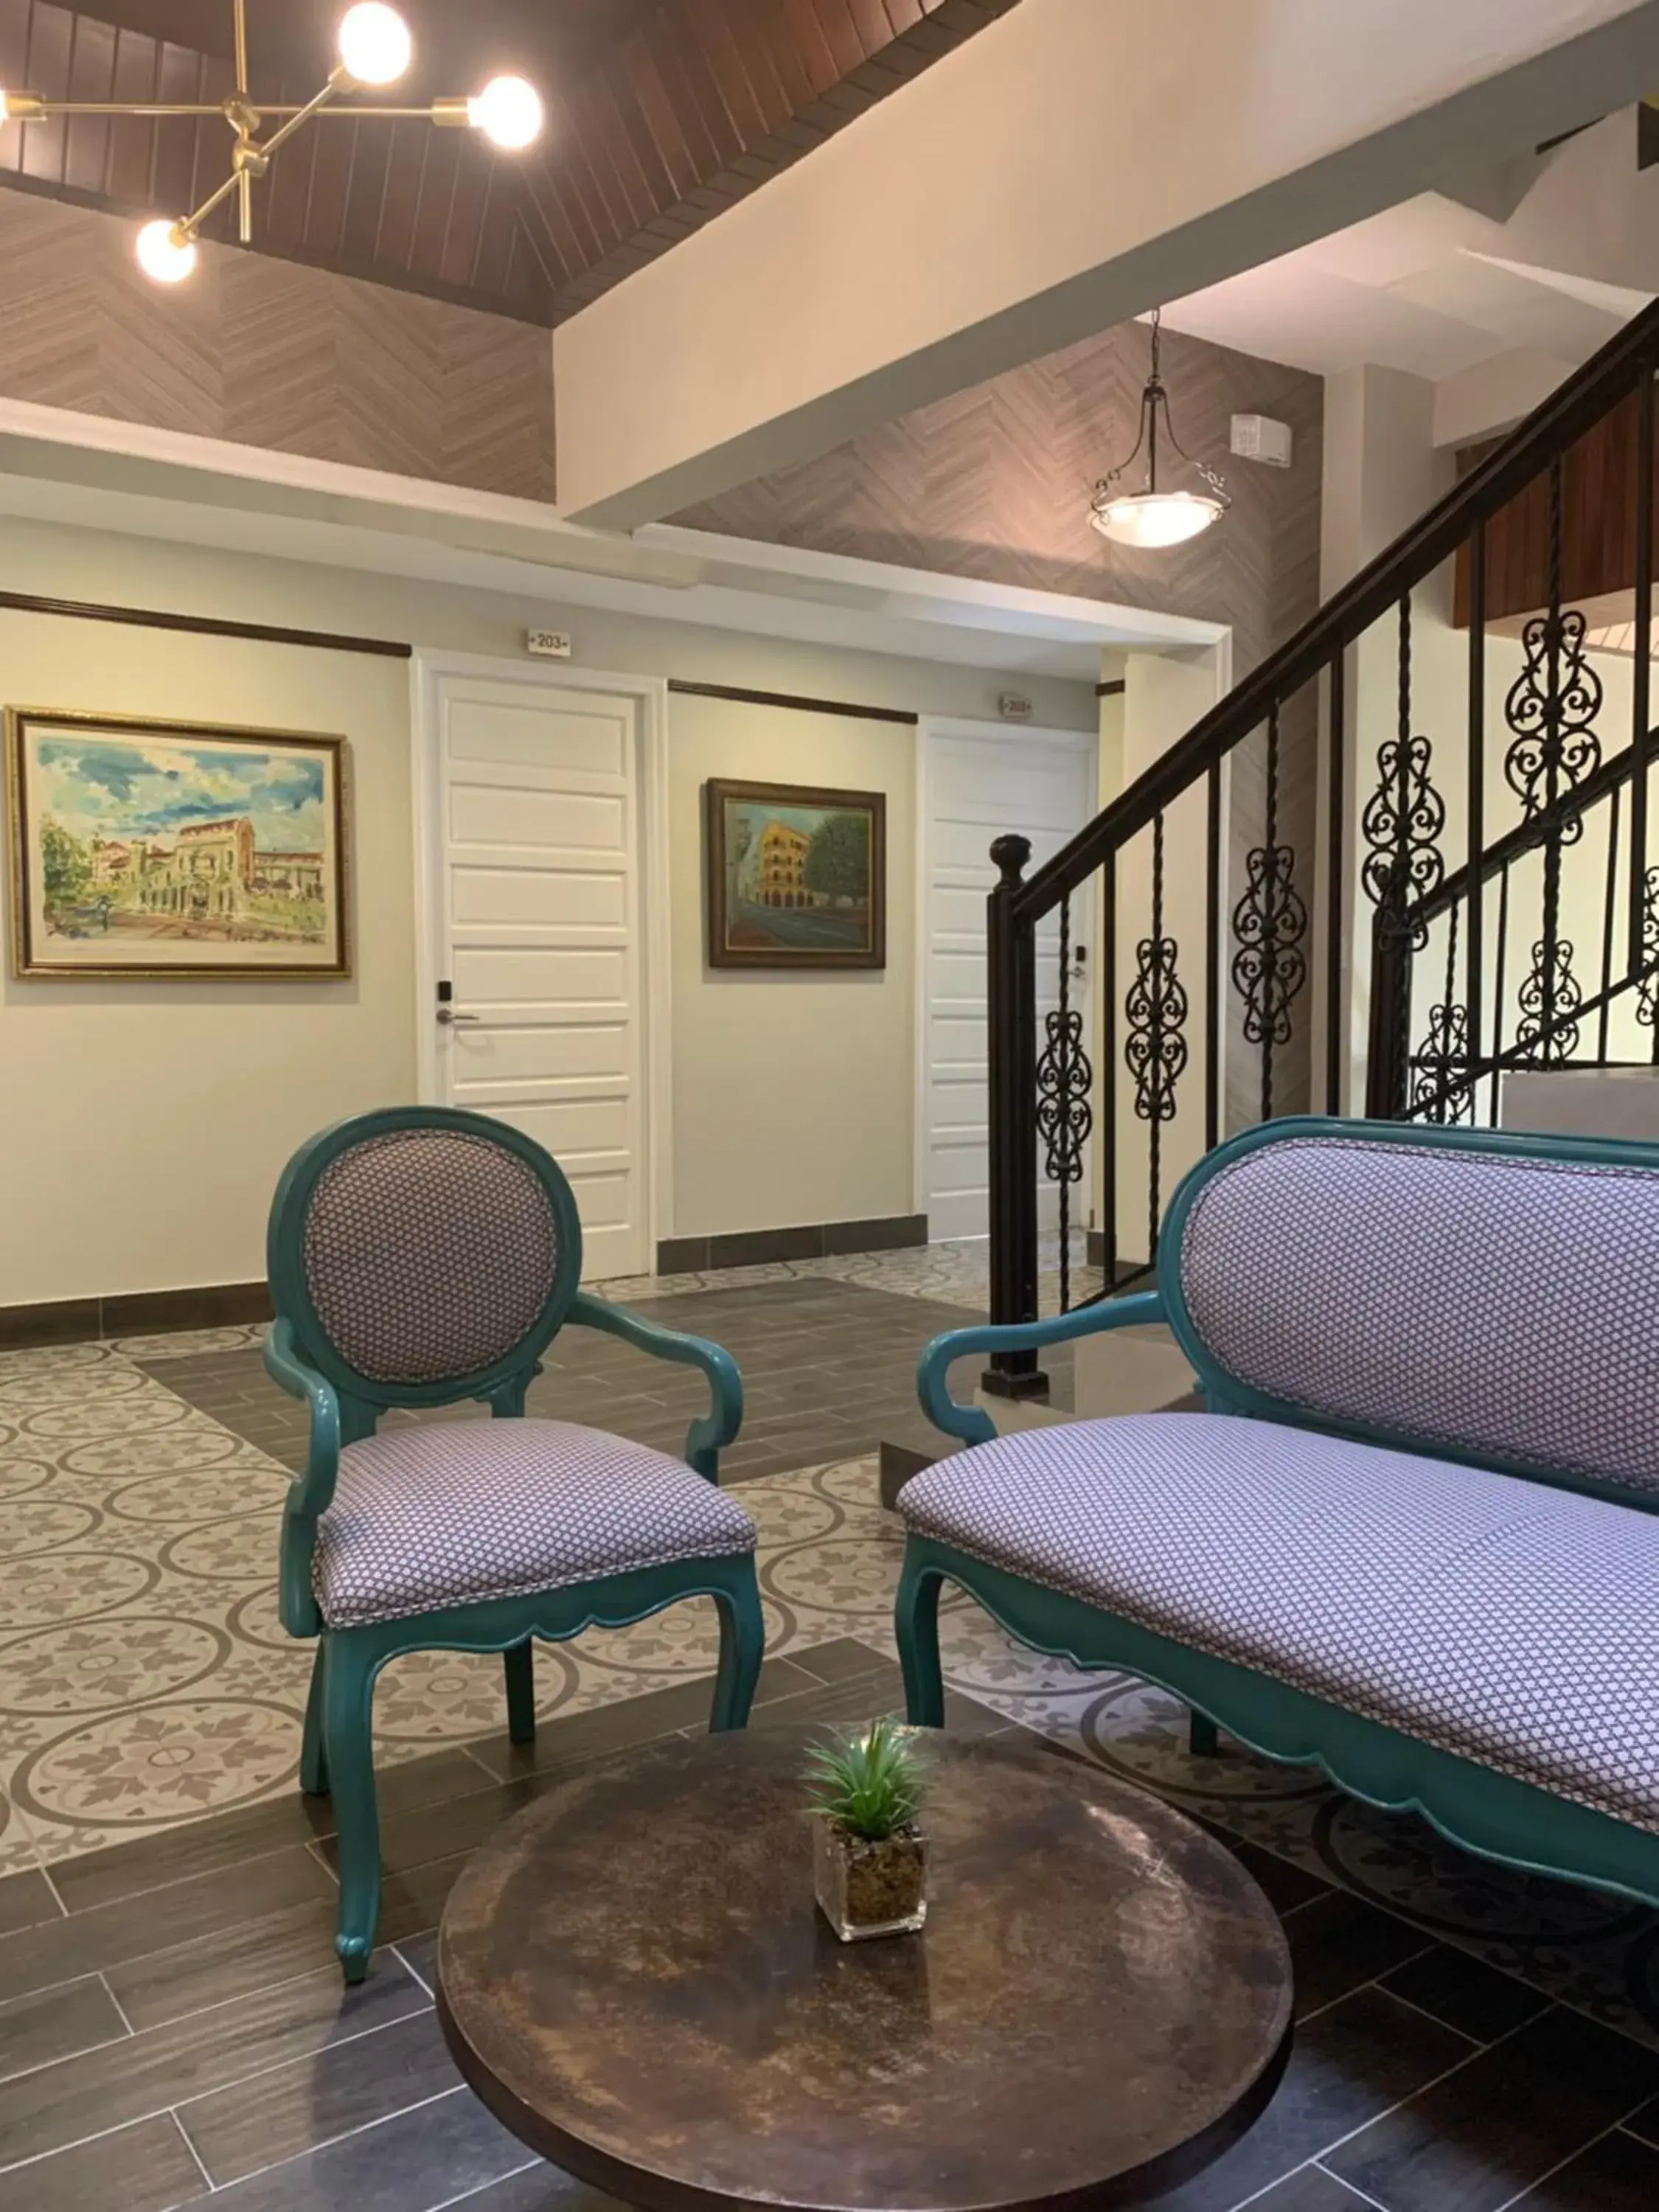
[(418, 1258)]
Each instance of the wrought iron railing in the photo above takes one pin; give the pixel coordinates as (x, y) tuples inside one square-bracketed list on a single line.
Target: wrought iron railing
[(1202, 1025)]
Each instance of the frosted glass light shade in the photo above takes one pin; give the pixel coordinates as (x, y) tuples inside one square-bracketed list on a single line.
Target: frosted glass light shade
[(508, 111), (374, 44), (1150, 519), (162, 256)]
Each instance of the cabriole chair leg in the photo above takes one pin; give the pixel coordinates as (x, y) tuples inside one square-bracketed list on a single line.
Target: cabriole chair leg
[(348, 1740), (915, 1623), (519, 1663), (742, 1645), (314, 1759)]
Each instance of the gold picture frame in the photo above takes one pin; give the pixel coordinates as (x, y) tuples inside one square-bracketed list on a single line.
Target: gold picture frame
[(145, 848)]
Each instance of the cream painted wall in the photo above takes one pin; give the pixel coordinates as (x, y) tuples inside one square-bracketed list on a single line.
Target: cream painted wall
[(145, 1124), (794, 1095)]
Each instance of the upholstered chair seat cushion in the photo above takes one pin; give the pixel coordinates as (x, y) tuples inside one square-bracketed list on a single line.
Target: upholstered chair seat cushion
[(1507, 1622), (458, 1512)]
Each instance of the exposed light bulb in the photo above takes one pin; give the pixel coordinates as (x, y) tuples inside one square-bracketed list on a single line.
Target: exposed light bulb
[(1152, 519), (508, 111), (373, 41), (163, 254)]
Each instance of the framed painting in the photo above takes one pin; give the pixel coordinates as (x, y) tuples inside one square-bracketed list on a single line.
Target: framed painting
[(796, 876), (174, 849)]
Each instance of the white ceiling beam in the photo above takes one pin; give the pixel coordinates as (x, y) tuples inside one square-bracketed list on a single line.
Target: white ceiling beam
[(1072, 165)]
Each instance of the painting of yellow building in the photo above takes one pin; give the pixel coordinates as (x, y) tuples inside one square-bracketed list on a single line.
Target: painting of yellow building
[(795, 877), (147, 849)]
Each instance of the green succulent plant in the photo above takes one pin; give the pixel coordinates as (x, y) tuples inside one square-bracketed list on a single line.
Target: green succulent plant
[(869, 1781)]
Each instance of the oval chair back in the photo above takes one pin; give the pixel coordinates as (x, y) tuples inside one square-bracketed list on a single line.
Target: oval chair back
[(421, 1255)]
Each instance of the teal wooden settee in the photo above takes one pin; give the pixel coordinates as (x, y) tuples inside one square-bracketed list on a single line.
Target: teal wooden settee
[(1414, 1539)]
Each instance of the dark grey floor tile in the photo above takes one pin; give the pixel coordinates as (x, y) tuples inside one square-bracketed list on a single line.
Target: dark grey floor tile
[(420, 1954), (146, 2168), (1313, 2190), (1338, 1944), (540, 2187), (229, 1838), (1466, 1993), (1499, 2123), (296, 2108), (25, 1899), (1351, 2061), (203, 2052), (210, 1905), (53, 2024), (413, 1901), (166, 1985), (434, 1832), (1645, 2125), (573, 1738), (1286, 1886), (428, 2156), (1618, 2174)]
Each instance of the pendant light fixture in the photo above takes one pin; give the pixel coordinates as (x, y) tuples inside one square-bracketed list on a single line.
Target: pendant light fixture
[(374, 47), (1154, 517)]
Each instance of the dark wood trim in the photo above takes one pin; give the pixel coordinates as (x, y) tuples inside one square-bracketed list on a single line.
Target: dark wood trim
[(1111, 691), (320, 640), (756, 1248), (134, 1313), (745, 698)]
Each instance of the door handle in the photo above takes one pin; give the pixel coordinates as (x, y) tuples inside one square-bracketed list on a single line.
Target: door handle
[(450, 1019)]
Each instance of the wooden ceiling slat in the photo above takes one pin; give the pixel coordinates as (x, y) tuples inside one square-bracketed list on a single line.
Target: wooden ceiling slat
[(841, 35), (609, 158), (639, 167), (721, 137), (92, 73), (576, 178), (467, 202), (646, 77), (711, 27), (662, 113), (816, 53)]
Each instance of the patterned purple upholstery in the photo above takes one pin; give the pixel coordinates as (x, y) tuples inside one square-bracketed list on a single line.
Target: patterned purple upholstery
[(1504, 1620), (1499, 1306), (428, 1253), (457, 1512)]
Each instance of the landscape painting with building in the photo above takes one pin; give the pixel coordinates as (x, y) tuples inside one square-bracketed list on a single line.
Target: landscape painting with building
[(795, 875), (151, 848)]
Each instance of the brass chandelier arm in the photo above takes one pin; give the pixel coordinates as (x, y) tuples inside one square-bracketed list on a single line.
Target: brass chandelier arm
[(37, 110)]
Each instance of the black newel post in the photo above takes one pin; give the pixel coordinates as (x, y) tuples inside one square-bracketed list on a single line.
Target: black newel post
[(1011, 1068)]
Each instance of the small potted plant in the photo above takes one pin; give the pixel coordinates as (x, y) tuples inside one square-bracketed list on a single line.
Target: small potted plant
[(870, 1857)]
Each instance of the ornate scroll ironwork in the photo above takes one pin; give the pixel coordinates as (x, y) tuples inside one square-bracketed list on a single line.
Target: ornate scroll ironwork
[(1552, 707), (1550, 998), (1270, 922), (1155, 1050), (1441, 1089), (1402, 824), (1065, 1079), (1647, 995)]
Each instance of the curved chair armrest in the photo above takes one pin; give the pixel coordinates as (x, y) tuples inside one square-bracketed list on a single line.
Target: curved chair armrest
[(972, 1423), (705, 1439), (311, 1492)]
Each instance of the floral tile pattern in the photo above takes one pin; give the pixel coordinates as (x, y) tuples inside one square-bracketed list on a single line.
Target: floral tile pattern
[(145, 1680)]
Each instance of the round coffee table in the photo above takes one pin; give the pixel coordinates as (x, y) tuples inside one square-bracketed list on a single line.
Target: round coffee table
[(633, 1976)]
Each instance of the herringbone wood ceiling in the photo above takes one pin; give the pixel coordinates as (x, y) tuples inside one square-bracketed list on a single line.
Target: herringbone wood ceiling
[(661, 113)]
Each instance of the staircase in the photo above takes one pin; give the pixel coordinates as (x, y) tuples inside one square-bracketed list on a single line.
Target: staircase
[(1472, 895)]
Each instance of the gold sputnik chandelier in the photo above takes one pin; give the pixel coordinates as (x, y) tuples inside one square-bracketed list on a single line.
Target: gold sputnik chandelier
[(375, 49)]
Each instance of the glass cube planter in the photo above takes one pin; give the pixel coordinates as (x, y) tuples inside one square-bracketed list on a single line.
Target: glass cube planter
[(866, 1888)]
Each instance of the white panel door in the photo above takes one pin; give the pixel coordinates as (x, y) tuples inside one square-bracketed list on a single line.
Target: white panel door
[(977, 789), (535, 819)]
